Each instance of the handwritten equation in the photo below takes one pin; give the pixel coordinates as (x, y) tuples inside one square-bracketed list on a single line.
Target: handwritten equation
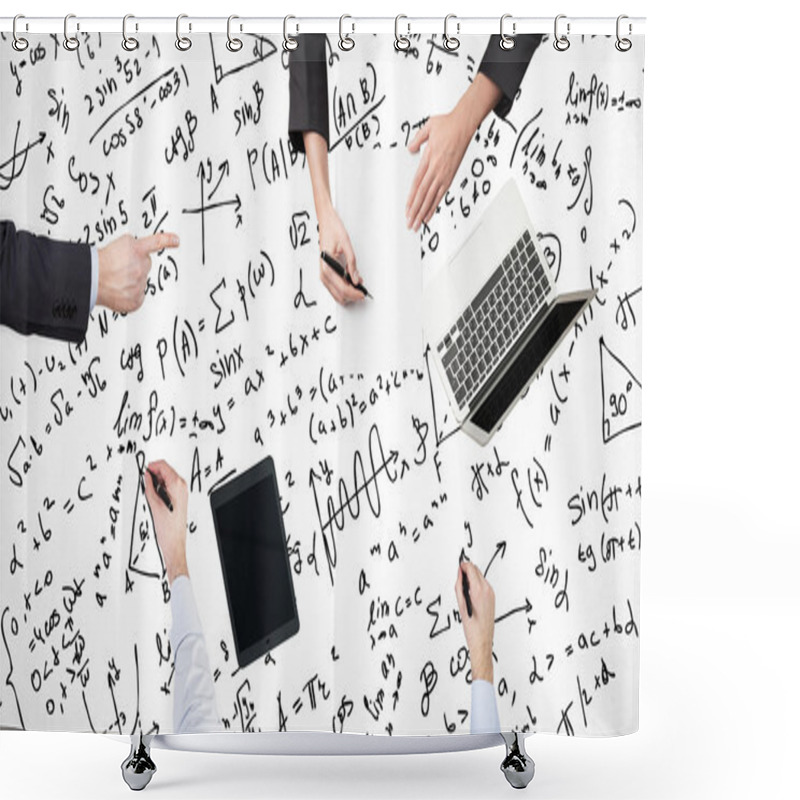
[(233, 356)]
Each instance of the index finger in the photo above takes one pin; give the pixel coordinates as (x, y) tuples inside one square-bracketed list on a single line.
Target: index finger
[(157, 241)]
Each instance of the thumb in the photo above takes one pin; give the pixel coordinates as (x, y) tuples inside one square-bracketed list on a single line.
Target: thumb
[(420, 138)]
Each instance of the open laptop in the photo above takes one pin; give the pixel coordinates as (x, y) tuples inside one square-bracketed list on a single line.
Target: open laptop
[(492, 316)]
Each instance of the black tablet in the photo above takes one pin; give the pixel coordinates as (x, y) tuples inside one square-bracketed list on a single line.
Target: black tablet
[(255, 561)]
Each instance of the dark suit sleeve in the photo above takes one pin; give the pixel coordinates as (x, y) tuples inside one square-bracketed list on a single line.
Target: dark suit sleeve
[(308, 89), (45, 285), (507, 67)]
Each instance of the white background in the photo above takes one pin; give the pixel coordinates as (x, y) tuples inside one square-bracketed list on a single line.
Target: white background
[(720, 605)]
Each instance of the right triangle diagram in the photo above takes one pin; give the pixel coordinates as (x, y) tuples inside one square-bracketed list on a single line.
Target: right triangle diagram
[(622, 395)]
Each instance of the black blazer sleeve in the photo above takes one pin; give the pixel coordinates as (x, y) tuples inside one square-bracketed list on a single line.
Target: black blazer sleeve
[(45, 285), (308, 89), (507, 67)]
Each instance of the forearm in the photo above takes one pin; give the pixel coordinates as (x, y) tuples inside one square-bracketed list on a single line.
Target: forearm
[(477, 101), (481, 665), (177, 567), (317, 157)]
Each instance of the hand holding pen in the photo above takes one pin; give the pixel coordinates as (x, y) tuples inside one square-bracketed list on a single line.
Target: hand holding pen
[(479, 624), (342, 273), (161, 490), (335, 241), (168, 497)]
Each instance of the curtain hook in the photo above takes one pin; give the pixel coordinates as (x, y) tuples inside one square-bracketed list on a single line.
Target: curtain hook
[(401, 42), (19, 43), (182, 42), (70, 42), (623, 45), (561, 43), (451, 42), (507, 42), (289, 42), (129, 42), (234, 45), (345, 41)]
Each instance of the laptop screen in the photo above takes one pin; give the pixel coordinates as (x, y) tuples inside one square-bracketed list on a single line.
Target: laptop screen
[(525, 364)]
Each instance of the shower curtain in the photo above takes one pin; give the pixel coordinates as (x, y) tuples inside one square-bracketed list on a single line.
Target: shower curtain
[(174, 345)]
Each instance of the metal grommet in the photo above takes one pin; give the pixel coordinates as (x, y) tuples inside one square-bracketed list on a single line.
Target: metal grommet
[(19, 43), (70, 42), (401, 43), (345, 40), (623, 45), (289, 42), (451, 42), (183, 43), (507, 42), (128, 42), (561, 43), (234, 45)]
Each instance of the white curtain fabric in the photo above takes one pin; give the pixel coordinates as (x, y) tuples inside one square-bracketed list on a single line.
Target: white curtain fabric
[(229, 360)]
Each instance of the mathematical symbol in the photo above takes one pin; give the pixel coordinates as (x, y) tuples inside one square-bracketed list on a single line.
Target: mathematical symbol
[(565, 722)]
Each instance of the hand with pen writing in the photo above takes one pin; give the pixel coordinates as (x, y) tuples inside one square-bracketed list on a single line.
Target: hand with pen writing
[(164, 487), (478, 626), (333, 237)]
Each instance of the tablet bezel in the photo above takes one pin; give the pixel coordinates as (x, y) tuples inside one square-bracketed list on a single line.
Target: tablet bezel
[(264, 470)]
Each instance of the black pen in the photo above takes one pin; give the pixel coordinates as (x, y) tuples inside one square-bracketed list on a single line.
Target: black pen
[(465, 589), (342, 273), (161, 490)]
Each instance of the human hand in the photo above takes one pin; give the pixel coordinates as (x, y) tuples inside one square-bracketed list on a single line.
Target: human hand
[(479, 628), (333, 239), (447, 137), (123, 266), (170, 525)]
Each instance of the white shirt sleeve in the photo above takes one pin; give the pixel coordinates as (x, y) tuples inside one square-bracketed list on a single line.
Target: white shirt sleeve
[(95, 276), (195, 709), (484, 717)]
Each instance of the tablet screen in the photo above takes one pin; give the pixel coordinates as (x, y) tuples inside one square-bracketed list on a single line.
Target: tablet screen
[(254, 561)]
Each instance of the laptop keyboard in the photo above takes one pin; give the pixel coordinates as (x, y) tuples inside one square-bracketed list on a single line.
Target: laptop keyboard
[(491, 323)]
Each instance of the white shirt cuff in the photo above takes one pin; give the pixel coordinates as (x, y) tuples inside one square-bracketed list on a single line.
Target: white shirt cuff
[(95, 276), (484, 718)]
